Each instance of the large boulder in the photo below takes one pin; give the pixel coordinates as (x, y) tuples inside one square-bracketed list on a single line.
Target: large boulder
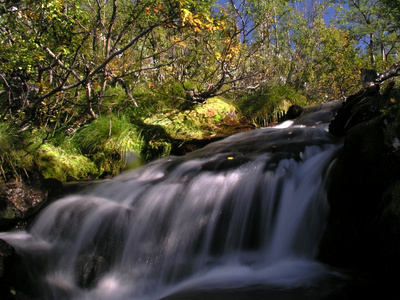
[(363, 231), (89, 269)]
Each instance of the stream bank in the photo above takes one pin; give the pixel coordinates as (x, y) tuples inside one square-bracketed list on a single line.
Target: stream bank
[(362, 238)]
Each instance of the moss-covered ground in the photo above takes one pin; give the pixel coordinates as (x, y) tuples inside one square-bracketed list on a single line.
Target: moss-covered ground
[(124, 136), (113, 143)]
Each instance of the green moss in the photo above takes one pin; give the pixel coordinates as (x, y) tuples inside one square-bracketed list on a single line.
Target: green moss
[(157, 149), (9, 212), (54, 162), (202, 121)]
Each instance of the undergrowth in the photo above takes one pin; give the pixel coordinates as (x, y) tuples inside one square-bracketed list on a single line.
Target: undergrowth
[(8, 148), (107, 140), (267, 105), (123, 135)]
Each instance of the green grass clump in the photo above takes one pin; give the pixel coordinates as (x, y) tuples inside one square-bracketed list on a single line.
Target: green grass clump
[(107, 139), (9, 146), (267, 105)]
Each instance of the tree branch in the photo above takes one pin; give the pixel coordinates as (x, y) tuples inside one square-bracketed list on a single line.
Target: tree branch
[(82, 81), (392, 72), (130, 44), (110, 28)]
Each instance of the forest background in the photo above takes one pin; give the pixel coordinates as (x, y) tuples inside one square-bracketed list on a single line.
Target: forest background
[(89, 88)]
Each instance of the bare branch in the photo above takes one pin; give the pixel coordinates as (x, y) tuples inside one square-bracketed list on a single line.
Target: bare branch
[(59, 62), (88, 78), (127, 90), (392, 72), (130, 44), (110, 27)]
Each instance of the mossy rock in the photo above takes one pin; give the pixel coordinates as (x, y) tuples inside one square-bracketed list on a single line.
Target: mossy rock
[(53, 162), (157, 149), (203, 121)]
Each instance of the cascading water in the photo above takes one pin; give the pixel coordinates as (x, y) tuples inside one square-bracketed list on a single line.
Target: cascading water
[(248, 210)]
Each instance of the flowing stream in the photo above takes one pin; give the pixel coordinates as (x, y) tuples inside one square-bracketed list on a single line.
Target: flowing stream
[(245, 211)]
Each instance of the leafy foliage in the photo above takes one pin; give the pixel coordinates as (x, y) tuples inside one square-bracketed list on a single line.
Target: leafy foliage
[(374, 25), (98, 77)]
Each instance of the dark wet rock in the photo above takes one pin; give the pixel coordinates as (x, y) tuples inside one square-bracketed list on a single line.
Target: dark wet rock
[(294, 111), (89, 269), (21, 201), (363, 231), (7, 253), (360, 107), (11, 275), (18, 203), (318, 114)]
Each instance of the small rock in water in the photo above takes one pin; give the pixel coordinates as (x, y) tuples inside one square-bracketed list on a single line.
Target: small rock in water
[(89, 269)]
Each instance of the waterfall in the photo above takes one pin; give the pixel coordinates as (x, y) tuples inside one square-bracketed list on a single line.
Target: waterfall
[(248, 210)]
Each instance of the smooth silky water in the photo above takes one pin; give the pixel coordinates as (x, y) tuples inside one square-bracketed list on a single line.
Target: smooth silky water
[(247, 211)]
